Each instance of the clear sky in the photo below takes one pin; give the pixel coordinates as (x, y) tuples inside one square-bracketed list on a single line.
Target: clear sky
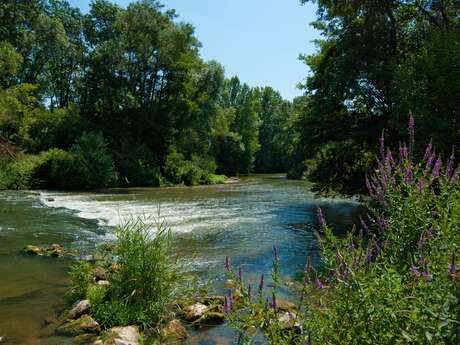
[(258, 40)]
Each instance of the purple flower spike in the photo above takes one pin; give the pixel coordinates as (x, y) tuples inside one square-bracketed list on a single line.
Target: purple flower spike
[(452, 269), (415, 271), (240, 274), (420, 186), (409, 178), (411, 127), (226, 306), (389, 160), (436, 169), (403, 153), (428, 152), (364, 225), (261, 283), (228, 264), (230, 300), (453, 180), (321, 219), (382, 223), (274, 304), (450, 166), (249, 292), (369, 255), (275, 254), (319, 284), (382, 146)]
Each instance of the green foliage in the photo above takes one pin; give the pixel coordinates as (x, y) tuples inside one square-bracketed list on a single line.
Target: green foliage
[(92, 154), (40, 130), (80, 274), (378, 61), (142, 287)]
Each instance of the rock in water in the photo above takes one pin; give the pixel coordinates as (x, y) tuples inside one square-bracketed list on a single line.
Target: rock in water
[(55, 250), (79, 308), (85, 324), (121, 336), (285, 305), (29, 249), (174, 331), (195, 311)]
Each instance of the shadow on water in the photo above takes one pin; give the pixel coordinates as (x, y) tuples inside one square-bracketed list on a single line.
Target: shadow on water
[(243, 221)]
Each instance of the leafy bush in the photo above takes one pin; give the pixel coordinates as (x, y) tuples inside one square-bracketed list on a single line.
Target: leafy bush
[(80, 274), (393, 282), (178, 170), (60, 169), (22, 173), (214, 179), (42, 129), (142, 286), (97, 167), (137, 166)]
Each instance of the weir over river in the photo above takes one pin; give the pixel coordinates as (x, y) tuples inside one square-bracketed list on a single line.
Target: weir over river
[(242, 220)]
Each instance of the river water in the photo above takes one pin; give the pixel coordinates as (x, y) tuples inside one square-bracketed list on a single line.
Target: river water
[(242, 220)]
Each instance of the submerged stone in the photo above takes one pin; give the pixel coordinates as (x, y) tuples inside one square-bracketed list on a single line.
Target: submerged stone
[(174, 331), (128, 335), (195, 311), (85, 324), (35, 250), (79, 308)]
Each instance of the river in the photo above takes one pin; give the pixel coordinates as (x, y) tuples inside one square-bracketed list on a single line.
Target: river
[(242, 220)]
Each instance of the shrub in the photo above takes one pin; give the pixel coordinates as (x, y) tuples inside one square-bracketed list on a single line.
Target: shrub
[(137, 166), (60, 169), (97, 167), (178, 170), (214, 179), (22, 172), (142, 288), (81, 278), (41, 129)]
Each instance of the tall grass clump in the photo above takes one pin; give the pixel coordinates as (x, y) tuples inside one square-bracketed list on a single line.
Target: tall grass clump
[(394, 278), (142, 279)]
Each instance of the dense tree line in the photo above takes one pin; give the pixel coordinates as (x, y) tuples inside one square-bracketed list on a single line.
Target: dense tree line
[(122, 97), (377, 62)]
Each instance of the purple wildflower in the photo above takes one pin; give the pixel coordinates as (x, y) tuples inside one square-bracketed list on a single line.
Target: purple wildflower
[(403, 152), (275, 254), (249, 291), (321, 219), (274, 304), (308, 268), (422, 260), (453, 180), (429, 162), (230, 300), (228, 264), (409, 178), (261, 283), (382, 223), (369, 255), (428, 152), (420, 186), (364, 225), (240, 274), (382, 146), (226, 306), (415, 271), (411, 128), (450, 166), (452, 268), (319, 284), (389, 159), (436, 169), (426, 275)]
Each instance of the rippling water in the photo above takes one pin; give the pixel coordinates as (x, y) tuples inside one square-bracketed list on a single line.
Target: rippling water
[(243, 220)]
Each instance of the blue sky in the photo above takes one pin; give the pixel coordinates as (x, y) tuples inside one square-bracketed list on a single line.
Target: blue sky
[(258, 40)]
